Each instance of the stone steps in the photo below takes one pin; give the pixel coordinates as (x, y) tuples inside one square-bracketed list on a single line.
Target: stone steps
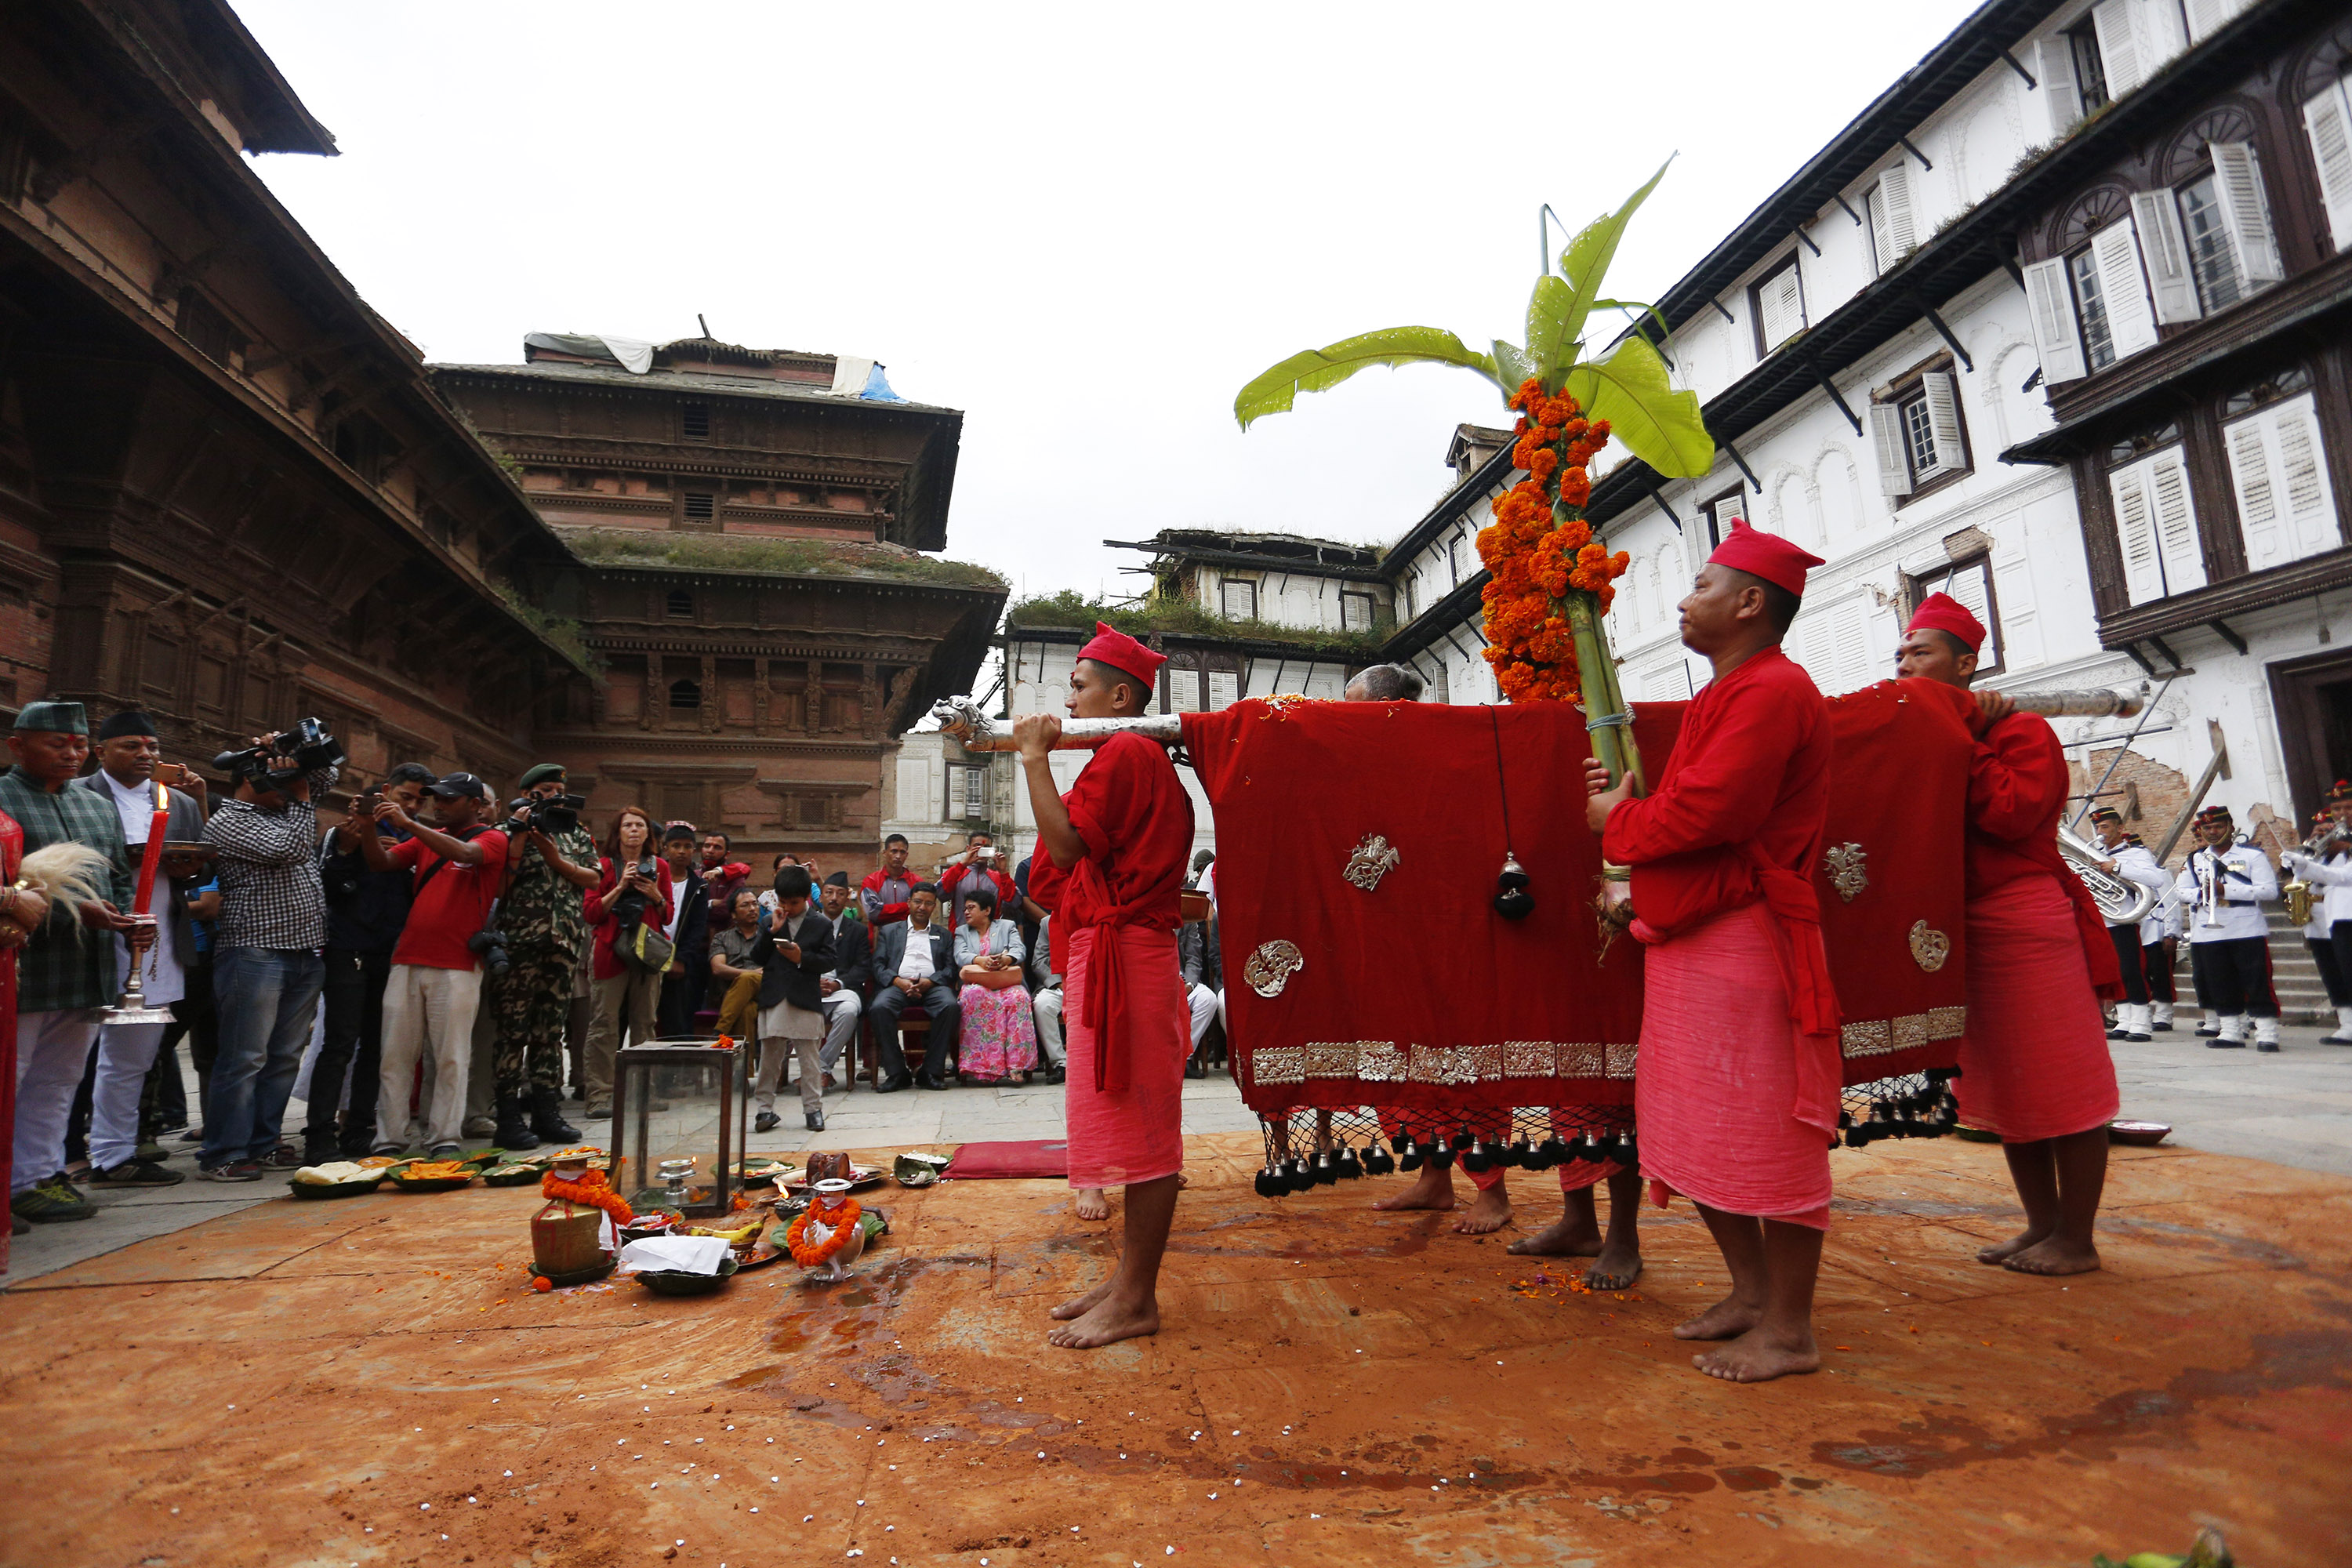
[(2301, 994)]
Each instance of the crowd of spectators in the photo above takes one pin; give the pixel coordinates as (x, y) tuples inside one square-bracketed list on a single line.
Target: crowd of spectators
[(426, 966)]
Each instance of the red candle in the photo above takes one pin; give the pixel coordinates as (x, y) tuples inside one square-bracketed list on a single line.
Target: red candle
[(154, 854)]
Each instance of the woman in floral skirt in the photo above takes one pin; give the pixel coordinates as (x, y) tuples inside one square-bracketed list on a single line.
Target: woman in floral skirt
[(998, 1037)]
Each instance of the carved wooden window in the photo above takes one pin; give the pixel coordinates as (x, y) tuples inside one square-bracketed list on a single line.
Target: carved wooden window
[(680, 604), (207, 331), (701, 506), (685, 696), (694, 421)]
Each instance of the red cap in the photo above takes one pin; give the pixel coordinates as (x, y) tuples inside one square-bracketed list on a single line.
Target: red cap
[(1765, 555), (1124, 654), (1942, 612)]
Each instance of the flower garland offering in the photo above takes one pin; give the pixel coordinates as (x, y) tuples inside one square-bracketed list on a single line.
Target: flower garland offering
[(1540, 551), (573, 1182), (825, 1227)]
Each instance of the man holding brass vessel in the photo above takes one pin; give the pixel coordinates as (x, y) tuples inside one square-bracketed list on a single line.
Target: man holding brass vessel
[(2034, 1064)]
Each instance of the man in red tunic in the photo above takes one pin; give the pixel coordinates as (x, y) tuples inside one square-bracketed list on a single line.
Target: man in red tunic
[(1114, 853), (2034, 1065), (1736, 1092)]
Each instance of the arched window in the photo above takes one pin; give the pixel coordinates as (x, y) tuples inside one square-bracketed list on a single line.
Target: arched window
[(684, 695)]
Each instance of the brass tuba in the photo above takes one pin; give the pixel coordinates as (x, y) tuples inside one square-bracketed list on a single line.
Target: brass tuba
[(2120, 902), (2298, 891)]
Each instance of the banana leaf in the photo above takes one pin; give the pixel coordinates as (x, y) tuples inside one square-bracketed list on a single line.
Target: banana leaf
[(1657, 424), (1586, 261), (1318, 370)]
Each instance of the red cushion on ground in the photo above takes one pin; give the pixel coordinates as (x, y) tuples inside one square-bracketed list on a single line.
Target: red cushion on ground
[(1032, 1159)]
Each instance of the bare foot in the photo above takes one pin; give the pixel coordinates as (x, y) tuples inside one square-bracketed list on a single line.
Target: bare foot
[(1433, 1189), (1182, 1181), (2053, 1256), (1109, 1323), (1727, 1320), (1616, 1269), (1490, 1211), (1080, 1306), (1092, 1205), (1564, 1237), (1759, 1357), (2012, 1247)]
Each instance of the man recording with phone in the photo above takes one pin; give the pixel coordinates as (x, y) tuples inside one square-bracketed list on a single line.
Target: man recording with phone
[(543, 915), (436, 985), (979, 866), (366, 911)]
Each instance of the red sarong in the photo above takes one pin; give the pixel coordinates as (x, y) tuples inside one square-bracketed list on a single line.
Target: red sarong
[(1716, 1094), (2034, 1062), (1135, 1133)]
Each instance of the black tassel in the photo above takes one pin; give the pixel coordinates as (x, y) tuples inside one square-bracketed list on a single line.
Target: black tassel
[(1477, 1160), (1409, 1158), (1379, 1161), (1552, 1151), (1512, 899), (1270, 1186), (1348, 1166)]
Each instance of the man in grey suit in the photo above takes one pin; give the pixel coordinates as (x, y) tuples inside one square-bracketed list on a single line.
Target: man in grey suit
[(129, 759), (914, 963)]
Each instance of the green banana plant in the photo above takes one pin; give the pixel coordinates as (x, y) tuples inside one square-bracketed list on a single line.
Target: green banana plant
[(1628, 388)]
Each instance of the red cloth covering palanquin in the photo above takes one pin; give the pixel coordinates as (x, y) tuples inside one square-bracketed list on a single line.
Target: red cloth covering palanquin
[(12, 862), (1417, 994)]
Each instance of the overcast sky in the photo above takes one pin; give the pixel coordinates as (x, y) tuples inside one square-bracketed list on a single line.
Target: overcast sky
[(1086, 226)]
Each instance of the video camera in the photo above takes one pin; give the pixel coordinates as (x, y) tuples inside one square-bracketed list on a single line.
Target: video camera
[(553, 814), (309, 742)]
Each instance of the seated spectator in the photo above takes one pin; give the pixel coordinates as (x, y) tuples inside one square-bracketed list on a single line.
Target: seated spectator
[(775, 869), (793, 951), (998, 1034), (1384, 683), (887, 891), (914, 964), (851, 977), (733, 967), (635, 887), (1196, 956), (980, 867), (1047, 1003)]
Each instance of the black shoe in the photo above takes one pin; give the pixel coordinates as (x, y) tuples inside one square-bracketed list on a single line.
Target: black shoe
[(137, 1174), (1193, 1068), (924, 1080), (2225, 1045), (1058, 1073), (2207, 1031), (547, 1118), (2161, 1028), (765, 1122), (2270, 1045), (892, 1086), (815, 1121), (514, 1129), (317, 1151)]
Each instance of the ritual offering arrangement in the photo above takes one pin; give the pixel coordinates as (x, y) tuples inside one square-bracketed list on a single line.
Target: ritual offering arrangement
[(573, 1237), (828, 1236), (680, 1265), (338, 1179), (915, 1169), (433, 1175), (510, 1175), (681, 1116), (760, 1171), (859, 1177)]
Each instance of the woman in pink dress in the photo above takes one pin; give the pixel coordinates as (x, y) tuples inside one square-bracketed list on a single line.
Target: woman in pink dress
[(999, 1036)]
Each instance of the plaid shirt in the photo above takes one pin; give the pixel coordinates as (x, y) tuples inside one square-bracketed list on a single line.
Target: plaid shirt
[(268, 868), (540, 908), (64, 966)]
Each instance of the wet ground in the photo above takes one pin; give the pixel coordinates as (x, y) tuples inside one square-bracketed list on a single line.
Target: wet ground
[(372, 1381)]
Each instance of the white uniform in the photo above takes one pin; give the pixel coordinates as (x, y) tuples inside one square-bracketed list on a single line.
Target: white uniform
[(2136, 864), (2229, 940), (2332, 878)]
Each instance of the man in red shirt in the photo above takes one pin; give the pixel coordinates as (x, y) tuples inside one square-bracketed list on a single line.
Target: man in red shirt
[(1113, 852), (2034, 1064), (979, 864), (1736, 1089), (887, 892), (436, 979)]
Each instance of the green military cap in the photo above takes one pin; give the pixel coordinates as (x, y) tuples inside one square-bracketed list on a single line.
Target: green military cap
[(54, 718), (541, 773)]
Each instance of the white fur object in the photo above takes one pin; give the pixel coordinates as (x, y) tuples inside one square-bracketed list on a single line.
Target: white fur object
[(68, 874)]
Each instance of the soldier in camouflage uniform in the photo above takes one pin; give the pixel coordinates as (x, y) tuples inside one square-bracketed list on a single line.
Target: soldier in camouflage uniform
[(544, 916)]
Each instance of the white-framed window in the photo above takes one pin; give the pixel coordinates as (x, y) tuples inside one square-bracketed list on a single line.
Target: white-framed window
[(2278, 471), (1453, 558), (2327, 122), (1184, 691), (2207, 17), (1412, 595), (1720, 513), (967, 793), (1918, 434), (1224, 689), (1355, 611), (2156, 520), (1439, 690), (1778, 300), (1237, 596), (1894, 225)]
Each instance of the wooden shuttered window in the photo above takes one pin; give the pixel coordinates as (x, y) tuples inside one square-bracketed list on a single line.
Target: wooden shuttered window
[(2050, 306), (1894, 223), (2286, 510), (2246, 211), (1886, 442), (2328, 121), (2157, 216), (2122, 287), (2064, 94), (1779, 307), (2156, 526)]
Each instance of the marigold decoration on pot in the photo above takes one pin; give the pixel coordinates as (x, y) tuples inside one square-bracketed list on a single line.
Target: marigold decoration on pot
[(592, 1189), (842, 1222)]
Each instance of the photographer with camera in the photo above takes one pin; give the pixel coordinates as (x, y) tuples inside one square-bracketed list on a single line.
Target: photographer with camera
[(631, 907), (979, 866), (689, 934), (543, 915), (436, 984), (366, 911), (267, 971)]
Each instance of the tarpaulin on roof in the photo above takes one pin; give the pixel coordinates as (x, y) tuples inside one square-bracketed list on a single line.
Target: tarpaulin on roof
[(631, 354)]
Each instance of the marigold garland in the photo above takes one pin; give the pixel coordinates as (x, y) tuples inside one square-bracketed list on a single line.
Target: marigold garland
[(815, 1255), (592, 1189), (1540, 548)]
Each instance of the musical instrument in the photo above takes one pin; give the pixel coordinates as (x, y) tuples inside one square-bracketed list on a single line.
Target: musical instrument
[(2120, 902), (2299, 892)]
